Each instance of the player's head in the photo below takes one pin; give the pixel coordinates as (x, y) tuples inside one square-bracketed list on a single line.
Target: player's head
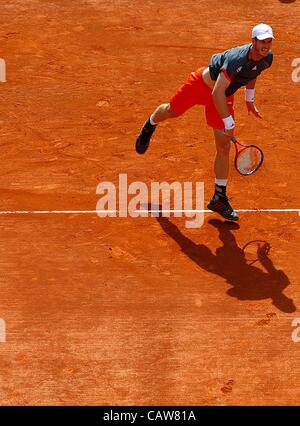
[(262, 37)]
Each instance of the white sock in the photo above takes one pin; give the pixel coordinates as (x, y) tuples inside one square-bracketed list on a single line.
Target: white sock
[(151, 120), (221, 182)]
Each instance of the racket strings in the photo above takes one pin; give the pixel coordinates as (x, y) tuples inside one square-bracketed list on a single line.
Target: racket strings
[(248, 160)]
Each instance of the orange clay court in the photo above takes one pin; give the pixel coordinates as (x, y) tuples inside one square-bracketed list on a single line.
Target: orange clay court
[(143, 311)]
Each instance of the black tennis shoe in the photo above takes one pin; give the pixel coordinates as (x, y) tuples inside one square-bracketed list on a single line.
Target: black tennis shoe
[(143, 139), (220, 204)]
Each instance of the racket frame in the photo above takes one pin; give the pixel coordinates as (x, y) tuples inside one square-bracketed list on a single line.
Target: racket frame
[(238, 152)]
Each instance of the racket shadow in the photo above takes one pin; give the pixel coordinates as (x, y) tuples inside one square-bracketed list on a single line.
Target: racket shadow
[(248, 281)]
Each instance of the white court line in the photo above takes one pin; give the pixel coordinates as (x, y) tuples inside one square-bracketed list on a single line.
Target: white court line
[(238, 210), (16, 212)]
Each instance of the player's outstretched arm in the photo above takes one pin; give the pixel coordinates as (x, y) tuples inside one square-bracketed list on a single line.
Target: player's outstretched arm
[(249, 98), (219, 98)]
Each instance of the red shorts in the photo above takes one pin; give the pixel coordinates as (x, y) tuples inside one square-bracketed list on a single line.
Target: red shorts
[(196, 92)]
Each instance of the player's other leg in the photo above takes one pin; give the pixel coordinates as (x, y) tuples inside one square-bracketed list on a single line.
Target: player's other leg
[(193, 92), (163, 112), (219, 202)]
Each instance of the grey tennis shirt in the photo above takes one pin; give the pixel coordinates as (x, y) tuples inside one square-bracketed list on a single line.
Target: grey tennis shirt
[(237, 66)]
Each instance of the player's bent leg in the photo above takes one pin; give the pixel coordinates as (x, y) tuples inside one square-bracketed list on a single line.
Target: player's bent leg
[(185, 97), (219, 202), (163, 112)]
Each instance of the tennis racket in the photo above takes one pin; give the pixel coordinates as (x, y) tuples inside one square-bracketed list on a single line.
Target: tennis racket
[(248, 159)]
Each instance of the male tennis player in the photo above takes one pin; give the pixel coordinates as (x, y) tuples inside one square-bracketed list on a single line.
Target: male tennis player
[(213, 87)]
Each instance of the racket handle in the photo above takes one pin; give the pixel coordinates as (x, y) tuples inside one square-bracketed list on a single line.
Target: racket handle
[(236, 142)]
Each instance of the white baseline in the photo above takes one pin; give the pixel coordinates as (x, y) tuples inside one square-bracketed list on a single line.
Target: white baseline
[(16, 212)]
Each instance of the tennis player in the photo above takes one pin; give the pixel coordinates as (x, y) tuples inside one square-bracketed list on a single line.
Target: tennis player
[(214, 87)]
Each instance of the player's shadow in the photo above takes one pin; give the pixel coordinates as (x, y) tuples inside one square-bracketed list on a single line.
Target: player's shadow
[(248, 282)]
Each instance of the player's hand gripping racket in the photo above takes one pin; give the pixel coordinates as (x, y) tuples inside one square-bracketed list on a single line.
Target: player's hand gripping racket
[(248, 159)]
